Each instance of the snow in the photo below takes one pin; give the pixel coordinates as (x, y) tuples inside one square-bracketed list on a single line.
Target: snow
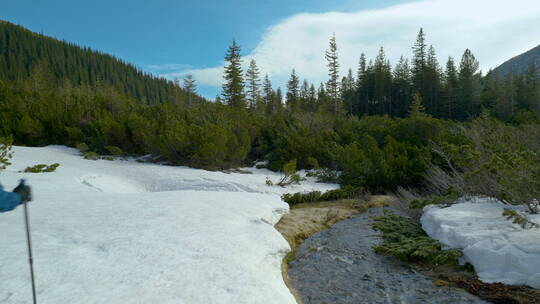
[(128, 232), (499, 250)]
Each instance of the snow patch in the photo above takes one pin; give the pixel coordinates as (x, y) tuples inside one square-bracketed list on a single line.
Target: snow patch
[(128, 232), (499, 250)]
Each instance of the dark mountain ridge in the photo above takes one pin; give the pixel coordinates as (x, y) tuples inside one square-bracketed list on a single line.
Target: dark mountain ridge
[(519, 64)]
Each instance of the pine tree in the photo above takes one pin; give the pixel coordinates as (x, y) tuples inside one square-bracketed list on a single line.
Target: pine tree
[(233, 88), (419, 62), (332, 86), (402, 86), (304, 95), (361, 73), (312, 105), (253, 84), (190, 86), (450, 89), (322, 97), (432, 83), (417, 109), (382, 84), (268, 94), (360, 99), (292, 92), (348, 87), (468, 86), (278, 101)]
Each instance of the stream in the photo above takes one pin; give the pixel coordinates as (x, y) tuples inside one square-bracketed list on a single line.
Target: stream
[(338, 265)]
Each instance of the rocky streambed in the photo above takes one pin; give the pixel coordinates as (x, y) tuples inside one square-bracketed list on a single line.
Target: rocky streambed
[(338, 265)]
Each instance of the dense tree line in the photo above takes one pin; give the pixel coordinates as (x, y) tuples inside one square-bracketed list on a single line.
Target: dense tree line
[(457, 91), (25, 54), (376, 128)]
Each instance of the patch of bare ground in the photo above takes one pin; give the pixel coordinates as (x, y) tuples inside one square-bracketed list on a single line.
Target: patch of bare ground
[(491, 292)]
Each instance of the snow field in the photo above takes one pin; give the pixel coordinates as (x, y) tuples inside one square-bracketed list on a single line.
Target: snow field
[(499, 250), (129, 232)]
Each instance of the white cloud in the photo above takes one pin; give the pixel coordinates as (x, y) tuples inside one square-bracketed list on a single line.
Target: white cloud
[(168, 67), (494, 30)]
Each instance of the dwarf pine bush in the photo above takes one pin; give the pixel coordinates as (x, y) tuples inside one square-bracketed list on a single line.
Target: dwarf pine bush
[(5, 151), (405, 240)]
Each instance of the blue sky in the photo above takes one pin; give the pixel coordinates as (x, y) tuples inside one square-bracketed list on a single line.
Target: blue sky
[(164, 32), (172, 38)]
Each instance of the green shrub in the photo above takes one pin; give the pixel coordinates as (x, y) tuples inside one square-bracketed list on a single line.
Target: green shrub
[(434, 200), (42, 168), (325, 175), (312, 162), (5, 151), (490, 158), (91, 155), (316, 196), (405, 240), (82, 147), (343, 192), (300, 198), (114, 150), (519, 219), (289, 174)]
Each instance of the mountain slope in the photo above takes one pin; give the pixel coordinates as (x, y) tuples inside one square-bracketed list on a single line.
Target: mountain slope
[(25, 54), (520, 63)]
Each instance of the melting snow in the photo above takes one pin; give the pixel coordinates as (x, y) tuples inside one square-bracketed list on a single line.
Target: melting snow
[(128, 232), (499, 250)]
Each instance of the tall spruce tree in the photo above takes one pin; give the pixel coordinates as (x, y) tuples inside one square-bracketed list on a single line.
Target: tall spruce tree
[(292, 92), (468, 86), (450, 90), (278, 101), (253, 80), (432, 83), (332, 85), (401, 84), (348, 87), (268, 94), (382, 82), (360, 99), (304, 95), (419, 62), (312, 105), (233, 88), (190, 86)]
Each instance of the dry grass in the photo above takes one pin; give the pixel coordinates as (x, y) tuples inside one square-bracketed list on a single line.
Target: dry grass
[(306, 219)]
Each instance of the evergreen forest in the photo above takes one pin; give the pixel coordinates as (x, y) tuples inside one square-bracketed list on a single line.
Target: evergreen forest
[(382, 127)]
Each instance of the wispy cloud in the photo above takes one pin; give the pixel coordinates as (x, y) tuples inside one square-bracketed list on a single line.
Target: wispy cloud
[(494, 30), (169, 67)]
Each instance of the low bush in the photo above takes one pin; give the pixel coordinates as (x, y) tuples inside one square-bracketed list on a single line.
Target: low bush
[(5, 151), (82, 147), (300, 198), (91, 155), (405, 240), (325, 175), (343, 192), (289, 174), (114, 150), (519, 219), (434, 200), (317, 196), (42, 168)]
